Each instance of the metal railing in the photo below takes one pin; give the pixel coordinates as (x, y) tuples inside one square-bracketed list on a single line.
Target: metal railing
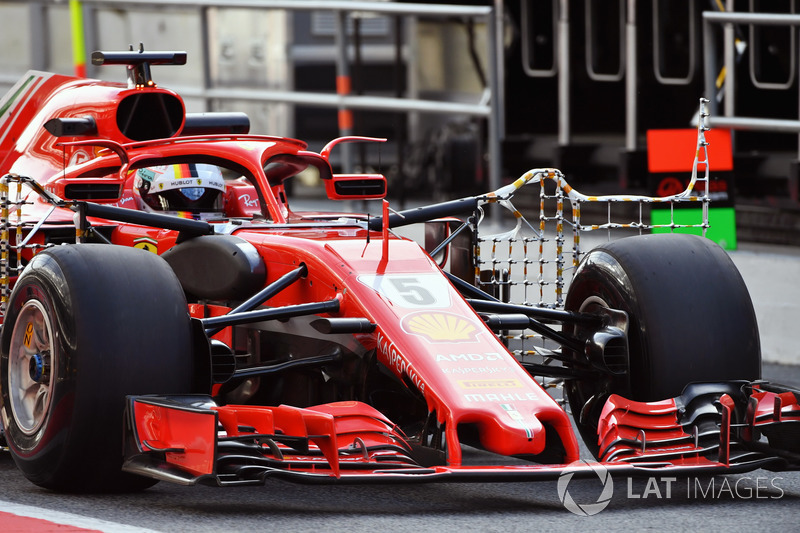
[(728, 118)]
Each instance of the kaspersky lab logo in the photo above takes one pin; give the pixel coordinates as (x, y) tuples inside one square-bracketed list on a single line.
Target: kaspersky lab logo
[(585, 509)]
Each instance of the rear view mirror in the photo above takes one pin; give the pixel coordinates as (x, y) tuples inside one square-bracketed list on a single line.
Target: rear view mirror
[(356, 187)]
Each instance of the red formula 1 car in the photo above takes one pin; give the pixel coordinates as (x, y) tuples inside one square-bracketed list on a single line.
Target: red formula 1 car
[(168, 316)]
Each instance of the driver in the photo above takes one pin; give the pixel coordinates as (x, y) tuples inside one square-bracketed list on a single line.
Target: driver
[(189, 187)]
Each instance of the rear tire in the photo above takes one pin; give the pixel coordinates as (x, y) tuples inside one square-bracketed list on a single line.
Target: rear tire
[(690, 318), (87, 325)]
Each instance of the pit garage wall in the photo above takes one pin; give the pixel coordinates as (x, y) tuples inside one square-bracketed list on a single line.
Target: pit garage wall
[(24, 46), (247, 49)]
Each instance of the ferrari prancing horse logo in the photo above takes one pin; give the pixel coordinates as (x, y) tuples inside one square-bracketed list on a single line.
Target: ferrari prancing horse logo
[(147, 244)]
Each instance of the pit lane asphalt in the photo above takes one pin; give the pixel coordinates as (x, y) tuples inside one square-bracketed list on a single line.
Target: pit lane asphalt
[(759, 499)]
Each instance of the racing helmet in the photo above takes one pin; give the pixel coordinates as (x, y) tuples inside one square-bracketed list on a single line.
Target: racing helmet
[(192, 187)]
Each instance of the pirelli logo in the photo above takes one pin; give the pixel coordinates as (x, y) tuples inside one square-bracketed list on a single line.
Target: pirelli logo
[(482, 384)]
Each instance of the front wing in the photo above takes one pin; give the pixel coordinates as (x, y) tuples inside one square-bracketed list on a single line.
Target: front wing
[(712, 428)]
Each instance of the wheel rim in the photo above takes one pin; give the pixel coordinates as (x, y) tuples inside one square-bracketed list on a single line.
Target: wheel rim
[(31, 359)]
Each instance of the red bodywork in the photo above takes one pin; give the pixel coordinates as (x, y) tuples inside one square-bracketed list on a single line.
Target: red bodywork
[(426, 335)]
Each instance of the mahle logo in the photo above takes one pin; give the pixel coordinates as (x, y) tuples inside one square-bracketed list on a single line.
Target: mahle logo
[(585, 509)]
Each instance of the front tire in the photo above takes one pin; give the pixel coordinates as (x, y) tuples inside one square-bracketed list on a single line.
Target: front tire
[(690, 318), (87, 325)]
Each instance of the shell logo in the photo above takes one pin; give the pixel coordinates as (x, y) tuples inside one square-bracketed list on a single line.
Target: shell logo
[(441, 327)]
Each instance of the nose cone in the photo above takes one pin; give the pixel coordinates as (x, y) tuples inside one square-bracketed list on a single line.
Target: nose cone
[(519, 429), (515, 434)]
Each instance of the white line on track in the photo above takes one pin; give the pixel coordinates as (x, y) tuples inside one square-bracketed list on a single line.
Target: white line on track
[(70, 519)]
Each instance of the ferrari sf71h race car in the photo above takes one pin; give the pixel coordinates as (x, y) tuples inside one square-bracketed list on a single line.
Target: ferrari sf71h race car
[(168, 316)]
